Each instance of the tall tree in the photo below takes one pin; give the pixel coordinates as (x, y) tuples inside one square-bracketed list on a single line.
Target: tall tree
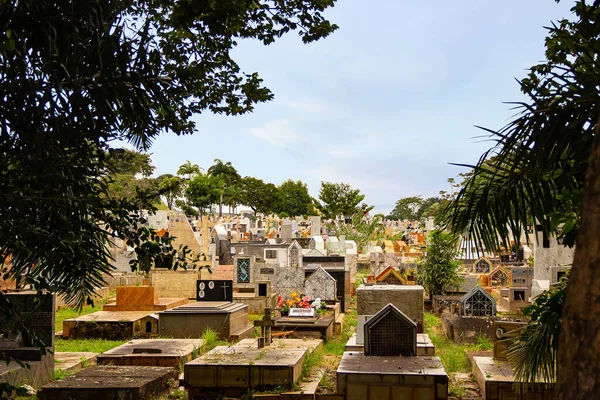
[(227, 176), (171, 187), (295, 200), (339, 200), (76, 75), (406, 208), (188, 169), (203, 191), (260, 196), (547, 168), (439, 271)]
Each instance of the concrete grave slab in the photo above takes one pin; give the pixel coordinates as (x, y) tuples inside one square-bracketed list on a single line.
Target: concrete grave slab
[(73, 361), (153, 352), (103, 382)]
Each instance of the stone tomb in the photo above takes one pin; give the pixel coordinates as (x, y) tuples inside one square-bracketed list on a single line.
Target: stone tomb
[(111, 325), (390, 368), (482, 266), (37, 314), (233, 370), (407, 298), (495, 376), (477, 303), (229, 320), (303, 325), (103, 382), (152, 352), (321, 285), (142, 298)]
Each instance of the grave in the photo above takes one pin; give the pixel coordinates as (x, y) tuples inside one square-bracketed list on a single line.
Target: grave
[(477, 303), (230, 371), (499, 277), (305, 323), (102, 382), (482, 266), (142, 298), (390, 367), (407, 298), (514, 299), (152, 352), (495, 376), (229, 320), (321, 285), (175, 284), (390, 276), (37, 314), (112, 325)]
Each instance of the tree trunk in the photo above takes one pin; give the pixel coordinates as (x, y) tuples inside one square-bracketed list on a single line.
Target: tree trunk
[(221, 205), (578, 365)]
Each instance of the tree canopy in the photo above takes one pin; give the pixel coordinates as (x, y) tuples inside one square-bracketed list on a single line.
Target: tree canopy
[(76, 76), (260, 196), (339, 200), (295, 199)]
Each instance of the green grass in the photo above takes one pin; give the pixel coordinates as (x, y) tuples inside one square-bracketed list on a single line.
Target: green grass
[(453, 355), (81, 345), (337, 345), (311, 361)]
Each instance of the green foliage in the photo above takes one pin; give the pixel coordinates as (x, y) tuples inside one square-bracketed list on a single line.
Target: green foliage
[(210, 338), (295, 200), (203, 191), (452, 355), (188, 169), (439, 271), (339, 200), (260, 196), (311, 361), (361, 230), (533, 352), (171, 187), (483, 343), (407, 209)]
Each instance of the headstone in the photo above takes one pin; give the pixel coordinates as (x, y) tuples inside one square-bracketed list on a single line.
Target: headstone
[(302, 312), (477, 303), (214, 290), (37, 314), (407, 298), (286, 232), (321, 285), (315, 226), (390, 333)]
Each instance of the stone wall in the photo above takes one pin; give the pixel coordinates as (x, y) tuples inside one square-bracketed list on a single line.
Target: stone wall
[(466, 329)]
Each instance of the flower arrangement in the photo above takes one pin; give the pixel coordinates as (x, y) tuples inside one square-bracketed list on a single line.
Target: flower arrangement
[(297, 301)]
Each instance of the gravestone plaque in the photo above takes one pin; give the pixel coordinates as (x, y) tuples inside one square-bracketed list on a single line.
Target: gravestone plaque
[(321, 285), (267, 270), (302, 312), (214, 290), (37, 314)]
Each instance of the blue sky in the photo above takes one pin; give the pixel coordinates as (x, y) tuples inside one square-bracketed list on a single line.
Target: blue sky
[(384, 104)]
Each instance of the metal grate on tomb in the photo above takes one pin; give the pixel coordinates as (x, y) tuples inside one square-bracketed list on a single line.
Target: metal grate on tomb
[(390, 333), (499, 277), (477, 303), (390, 276), (482, 265)]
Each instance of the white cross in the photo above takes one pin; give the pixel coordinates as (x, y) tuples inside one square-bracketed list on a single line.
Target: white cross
[(225, 290)]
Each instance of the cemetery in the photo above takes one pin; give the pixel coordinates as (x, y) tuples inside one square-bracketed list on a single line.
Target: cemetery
[(285, 318)]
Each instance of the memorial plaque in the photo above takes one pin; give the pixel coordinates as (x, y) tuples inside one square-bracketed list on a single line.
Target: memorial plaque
[(302, 312), (214, 290), (36, 312), (267, 270)]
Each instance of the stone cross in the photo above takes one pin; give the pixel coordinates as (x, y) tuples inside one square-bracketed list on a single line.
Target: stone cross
[(265, 326), (225, 289)]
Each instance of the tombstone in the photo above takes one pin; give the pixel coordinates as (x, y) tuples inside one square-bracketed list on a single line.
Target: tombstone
[(477, 303), (295, 255), (315, 226), (286, 233), (499, 277), (317, 243), (214, 290), (407, 298), (482, 266), (333, 246), (390, 333), (321, 285)]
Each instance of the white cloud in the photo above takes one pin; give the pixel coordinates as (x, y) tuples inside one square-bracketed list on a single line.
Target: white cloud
[(277, 132)]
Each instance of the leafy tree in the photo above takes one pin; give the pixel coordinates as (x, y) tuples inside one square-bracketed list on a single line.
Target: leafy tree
[(233, 196), (406, 208), (188, 169), (227, 175), (171, 187), (339, 200), (547, 168), (76, 75), (295, 199), (203, 191), (361, 230), (260, 196), (126, 161), (439, 271)]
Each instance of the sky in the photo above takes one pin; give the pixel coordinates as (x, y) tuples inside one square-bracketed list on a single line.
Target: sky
[(385, 103)]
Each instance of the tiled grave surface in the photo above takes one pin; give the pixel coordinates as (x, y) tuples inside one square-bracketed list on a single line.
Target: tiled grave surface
[(496, 379), (244, 365), (425, 346), (382, 378), (110, 382), (153, 352), (229, 320)]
